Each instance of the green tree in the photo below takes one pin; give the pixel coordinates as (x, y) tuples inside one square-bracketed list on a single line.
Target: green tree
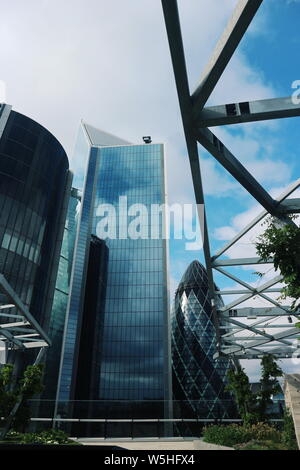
[(29, 385), (282, 243), (269, 384), (7, 395), (238, 383), (253, 406), (14, 396)]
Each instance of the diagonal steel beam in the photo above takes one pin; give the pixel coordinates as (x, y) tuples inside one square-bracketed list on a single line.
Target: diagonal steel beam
[(11, 338), (172, 22), (246, 327), (255, 324), (248, 111), (290, 189), (257, 331), (236, 28), (11, 294), (259, 322), (252, 293), (216, 148), (278, 337), (236, 279), (254, 290), (242, 327)]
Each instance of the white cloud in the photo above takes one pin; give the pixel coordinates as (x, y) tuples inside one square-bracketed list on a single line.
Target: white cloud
[(109, 63), (215, 183), (256, 147), (224, 233)]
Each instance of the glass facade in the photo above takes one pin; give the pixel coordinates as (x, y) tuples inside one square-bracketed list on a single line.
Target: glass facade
[(90, 346), (135, 311), (60, 300), (198, 380), (71, 341), (135, 359), (33, 179)]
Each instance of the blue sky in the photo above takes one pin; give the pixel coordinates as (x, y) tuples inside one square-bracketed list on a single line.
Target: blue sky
[(109, 64), (265, 65)]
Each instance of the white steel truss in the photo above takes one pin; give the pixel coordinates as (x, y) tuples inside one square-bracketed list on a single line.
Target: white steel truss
[(18, 328), (240, 338)]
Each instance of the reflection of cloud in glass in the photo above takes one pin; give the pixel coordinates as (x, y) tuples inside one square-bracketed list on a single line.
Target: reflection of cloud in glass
[(133, 348), (127, 177)]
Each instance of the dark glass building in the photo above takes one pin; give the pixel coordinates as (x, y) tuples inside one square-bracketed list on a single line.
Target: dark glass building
[(198, 380), (91, 337), (134, 344), (34, 190)]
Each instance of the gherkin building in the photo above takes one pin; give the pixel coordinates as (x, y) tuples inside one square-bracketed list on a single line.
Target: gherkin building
[(199, 381)]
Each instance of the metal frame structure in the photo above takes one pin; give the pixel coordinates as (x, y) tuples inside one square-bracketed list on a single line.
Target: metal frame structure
[(196, 120), (18, 330)]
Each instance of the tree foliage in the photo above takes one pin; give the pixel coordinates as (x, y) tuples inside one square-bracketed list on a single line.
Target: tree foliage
[(20, 392), (238, 383), (282, 243), (31, 383), (7, 395), (253, 406), (269, 384)]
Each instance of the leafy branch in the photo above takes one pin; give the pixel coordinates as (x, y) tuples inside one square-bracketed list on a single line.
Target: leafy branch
[(283, 245)]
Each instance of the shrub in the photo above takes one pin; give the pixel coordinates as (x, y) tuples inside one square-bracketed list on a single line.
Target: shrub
[(51, 436), (13, 435), (226, 435), (232, 434), (260, 445), (265, 432)]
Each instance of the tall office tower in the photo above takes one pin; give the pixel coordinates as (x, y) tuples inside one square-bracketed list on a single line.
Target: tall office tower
[(60, 302), (198, 380), (134, 344), (34, 190)]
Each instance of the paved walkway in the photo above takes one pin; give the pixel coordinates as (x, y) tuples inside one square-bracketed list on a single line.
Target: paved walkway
[(292, 400), (152, 444)]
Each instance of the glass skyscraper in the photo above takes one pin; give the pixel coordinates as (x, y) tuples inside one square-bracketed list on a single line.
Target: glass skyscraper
[(199, 381), (60, 300), (122, 182), (34, 189)]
